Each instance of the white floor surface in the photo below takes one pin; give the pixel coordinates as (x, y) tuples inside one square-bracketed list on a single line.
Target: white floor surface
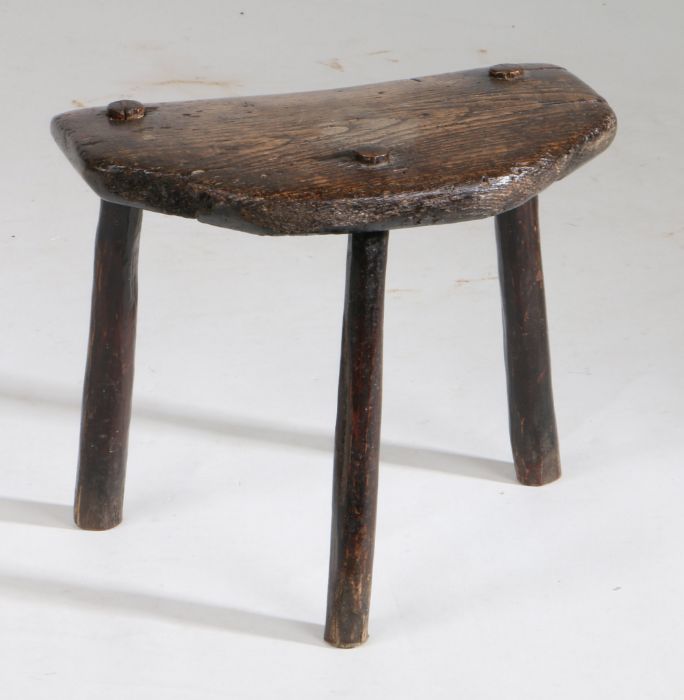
[(214, 586)]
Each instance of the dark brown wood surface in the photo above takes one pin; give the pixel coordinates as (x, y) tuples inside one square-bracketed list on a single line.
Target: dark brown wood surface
[(357, 442), (429, 150), (109, 371), (528, 368)]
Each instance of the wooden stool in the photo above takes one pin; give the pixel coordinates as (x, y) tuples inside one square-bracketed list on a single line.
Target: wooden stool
[(360, 161)]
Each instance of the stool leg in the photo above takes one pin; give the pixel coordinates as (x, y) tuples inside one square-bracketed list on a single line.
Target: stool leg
[(357, 442), (109, 371), (528, 369)]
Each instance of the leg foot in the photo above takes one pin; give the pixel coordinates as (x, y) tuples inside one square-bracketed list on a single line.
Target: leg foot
[(357, 442), (109, 372), (528, 369)]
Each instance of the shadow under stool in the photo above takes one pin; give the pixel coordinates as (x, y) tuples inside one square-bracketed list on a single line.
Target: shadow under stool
[(358, 161)]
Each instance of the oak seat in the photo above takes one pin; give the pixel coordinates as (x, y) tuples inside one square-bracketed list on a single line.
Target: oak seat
[(451, 147)]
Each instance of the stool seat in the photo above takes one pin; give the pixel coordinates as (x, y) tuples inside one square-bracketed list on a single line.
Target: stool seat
[(422, 151)]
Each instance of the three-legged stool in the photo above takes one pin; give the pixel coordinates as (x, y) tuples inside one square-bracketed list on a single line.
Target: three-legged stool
[(358, 161)]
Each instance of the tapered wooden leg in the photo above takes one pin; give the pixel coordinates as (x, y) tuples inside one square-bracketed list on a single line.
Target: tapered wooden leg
[(109, 371), (357, 442), (528, 369)]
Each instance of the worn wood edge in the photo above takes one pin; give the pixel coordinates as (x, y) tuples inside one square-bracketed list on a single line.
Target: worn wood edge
[(347, 645), (370, 213)]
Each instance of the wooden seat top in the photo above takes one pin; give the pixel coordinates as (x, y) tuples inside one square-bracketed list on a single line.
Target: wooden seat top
[(428, 150)]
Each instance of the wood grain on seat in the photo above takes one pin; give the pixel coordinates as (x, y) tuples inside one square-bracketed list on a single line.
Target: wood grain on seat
[(429, 150)]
